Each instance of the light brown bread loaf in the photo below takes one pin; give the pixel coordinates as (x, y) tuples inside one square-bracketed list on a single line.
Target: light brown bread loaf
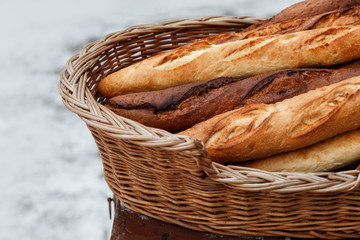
[(262, 130), (332, 154), (317, 47)]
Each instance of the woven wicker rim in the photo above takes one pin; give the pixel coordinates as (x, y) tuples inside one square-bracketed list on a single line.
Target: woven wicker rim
[(78, 98)]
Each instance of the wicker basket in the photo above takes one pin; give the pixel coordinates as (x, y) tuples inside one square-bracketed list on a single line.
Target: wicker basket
[(170, 178)]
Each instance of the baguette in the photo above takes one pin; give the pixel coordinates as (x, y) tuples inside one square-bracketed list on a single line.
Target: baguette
[(178, 108), (311, 8), (317, 47), (349, 16), (329, 155), (262, 130)]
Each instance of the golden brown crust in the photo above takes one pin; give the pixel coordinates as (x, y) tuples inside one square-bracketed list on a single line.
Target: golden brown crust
[(329, 155), (319, 47), (262, 130), (187, 64)]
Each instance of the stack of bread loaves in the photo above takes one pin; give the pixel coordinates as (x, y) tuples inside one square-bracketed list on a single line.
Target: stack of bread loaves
[(282, 95)]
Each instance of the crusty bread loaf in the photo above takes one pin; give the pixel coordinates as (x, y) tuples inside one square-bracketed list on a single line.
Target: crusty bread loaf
[(350, 16), (262, 130), (311, 8), (178, 108), (328, 155), (318, 47), (334, 18)]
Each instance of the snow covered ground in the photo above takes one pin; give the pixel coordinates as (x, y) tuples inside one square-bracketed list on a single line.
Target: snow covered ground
[(51, 180)]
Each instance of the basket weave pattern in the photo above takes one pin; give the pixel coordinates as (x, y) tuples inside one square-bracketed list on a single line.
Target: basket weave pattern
[(169, 177)]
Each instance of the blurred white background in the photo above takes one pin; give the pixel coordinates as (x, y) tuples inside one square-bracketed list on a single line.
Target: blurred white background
[(52, 184)]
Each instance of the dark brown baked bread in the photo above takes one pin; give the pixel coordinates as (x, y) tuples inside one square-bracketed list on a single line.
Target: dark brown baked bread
[(309, 8), (178, 108), (349, 16)]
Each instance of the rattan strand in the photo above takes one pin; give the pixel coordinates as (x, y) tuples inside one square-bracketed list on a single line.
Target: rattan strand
[(169, 177)]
